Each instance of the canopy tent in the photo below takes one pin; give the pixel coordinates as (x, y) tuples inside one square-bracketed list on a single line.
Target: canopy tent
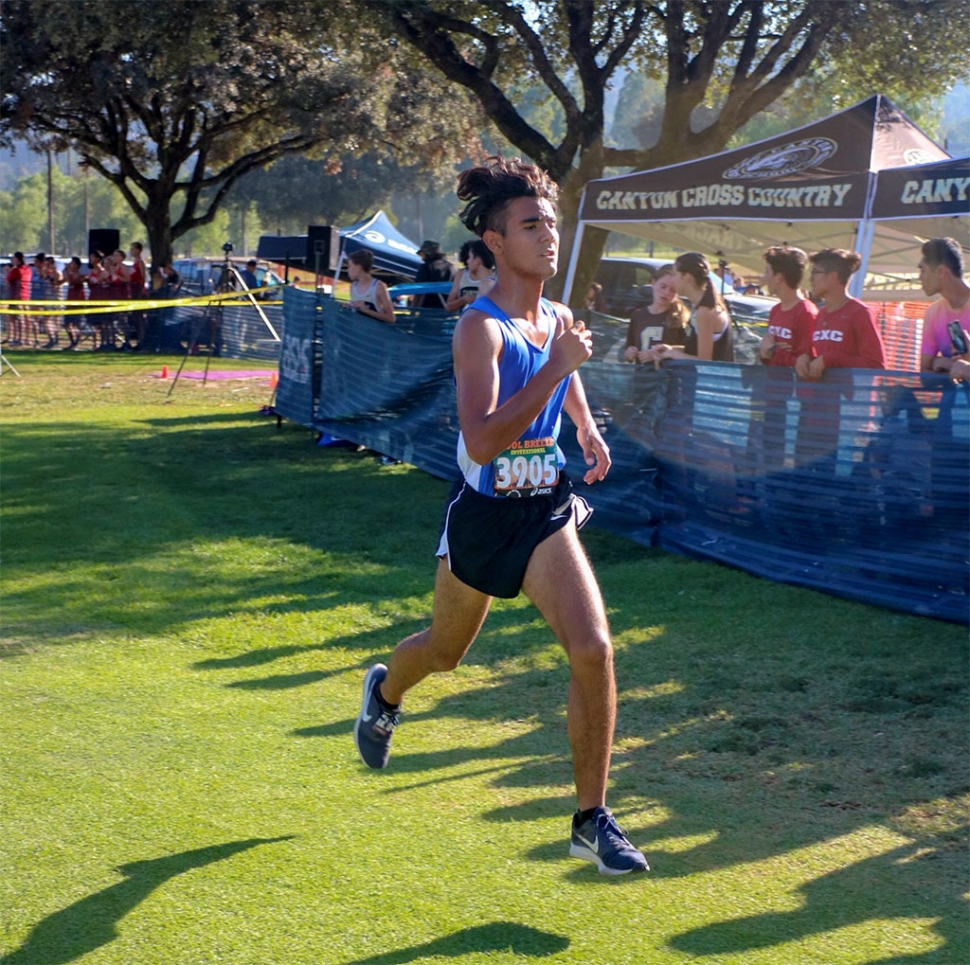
[(393, 254), (814, 187), (910, 204)]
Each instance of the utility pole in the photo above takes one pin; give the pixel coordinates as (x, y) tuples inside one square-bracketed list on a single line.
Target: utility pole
[(50, 200)]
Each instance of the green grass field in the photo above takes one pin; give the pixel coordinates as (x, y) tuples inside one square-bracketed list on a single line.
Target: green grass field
[(190, 599)]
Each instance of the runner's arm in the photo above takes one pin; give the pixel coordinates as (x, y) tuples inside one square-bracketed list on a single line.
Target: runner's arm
[(488, 429), (595, 449)]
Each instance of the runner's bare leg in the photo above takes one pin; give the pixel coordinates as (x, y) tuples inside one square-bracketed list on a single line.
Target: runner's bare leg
[(561, 583), (458, 614)]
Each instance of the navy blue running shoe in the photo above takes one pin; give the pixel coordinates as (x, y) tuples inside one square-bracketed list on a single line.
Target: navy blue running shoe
[(601, 840), (375, 724)]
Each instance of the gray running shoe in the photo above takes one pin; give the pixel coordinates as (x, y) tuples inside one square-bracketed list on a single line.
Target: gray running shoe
[(375, 725), (601, 840)]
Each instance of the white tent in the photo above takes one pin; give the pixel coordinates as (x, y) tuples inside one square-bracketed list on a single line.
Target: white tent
[(866, 178)]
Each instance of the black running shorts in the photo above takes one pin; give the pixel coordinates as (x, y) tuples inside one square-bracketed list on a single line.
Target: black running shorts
[(489, 540)]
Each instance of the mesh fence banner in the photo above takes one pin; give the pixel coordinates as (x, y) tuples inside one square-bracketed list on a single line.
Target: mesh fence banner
[(235, 331), (299, 375), (856, 485), (390, 387)]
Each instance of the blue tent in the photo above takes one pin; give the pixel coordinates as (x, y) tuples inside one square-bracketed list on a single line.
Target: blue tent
[(393, 253), (391, 250)]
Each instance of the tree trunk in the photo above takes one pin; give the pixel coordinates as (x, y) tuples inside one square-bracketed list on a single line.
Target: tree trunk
[(158, 224), (594, 241)]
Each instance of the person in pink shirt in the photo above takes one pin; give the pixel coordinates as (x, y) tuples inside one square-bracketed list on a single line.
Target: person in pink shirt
[(941, 273), (845, 336), (792, 321)]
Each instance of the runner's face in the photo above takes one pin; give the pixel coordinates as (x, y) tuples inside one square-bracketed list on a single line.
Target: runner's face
[(530, 243)]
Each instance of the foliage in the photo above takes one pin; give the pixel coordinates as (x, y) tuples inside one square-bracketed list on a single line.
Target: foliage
[(186, 629), (174, 105), (24, 223), (298, 191), (955, 129), (720, 65)]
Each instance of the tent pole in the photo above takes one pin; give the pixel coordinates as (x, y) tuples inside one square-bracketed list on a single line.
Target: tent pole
[(863, 244), (573, 258), (863, 238), (336, 274)]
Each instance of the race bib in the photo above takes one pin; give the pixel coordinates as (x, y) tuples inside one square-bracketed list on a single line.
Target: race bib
[(530, 467)]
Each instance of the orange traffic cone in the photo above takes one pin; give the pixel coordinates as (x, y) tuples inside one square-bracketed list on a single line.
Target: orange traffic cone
[(274, 380), (164, 374)]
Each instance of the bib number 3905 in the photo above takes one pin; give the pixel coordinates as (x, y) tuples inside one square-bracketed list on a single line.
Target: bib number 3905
[(528, 465)]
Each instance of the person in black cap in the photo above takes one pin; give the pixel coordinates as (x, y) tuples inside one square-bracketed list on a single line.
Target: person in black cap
[(435, 267)]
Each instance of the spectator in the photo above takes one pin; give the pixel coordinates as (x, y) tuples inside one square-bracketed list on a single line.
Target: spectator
[(53, 280), (792, 321), (136, 322), (662, 322), (248, 274), (19, 279), (476, 279), (723, 279), (138, 272), (845, 334), (368, 295), (38, 292), (119, 289), (708, 334), (435, 267), (941, 273), (98, 291), (594, 299), (75, 293), (173, 281)]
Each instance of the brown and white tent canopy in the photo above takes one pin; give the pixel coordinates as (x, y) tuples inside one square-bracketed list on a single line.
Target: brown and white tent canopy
[(866, 178)]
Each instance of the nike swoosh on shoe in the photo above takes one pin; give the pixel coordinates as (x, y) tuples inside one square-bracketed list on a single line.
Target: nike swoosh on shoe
[(593, 845)]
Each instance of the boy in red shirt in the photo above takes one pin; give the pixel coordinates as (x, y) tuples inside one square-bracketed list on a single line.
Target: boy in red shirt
[(792, 320), (845, 336)]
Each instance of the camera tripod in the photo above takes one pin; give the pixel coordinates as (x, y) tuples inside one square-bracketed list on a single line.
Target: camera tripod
[(211, 319)]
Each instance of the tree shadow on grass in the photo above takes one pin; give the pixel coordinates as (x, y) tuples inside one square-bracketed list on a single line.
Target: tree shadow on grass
[(140, 506), (840, 899), (497, 936), (90, 923)]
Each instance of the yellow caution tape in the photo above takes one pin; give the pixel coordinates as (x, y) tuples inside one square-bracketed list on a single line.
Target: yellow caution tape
[(108, 307)]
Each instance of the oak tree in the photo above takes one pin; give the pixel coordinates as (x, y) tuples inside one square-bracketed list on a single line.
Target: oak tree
[(174, 103), (720, 63)]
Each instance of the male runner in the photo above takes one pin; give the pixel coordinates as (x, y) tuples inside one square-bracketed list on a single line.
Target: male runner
[(512, 522)]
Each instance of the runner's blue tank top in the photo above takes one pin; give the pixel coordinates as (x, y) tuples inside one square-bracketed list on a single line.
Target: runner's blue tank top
[(532, 463)]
